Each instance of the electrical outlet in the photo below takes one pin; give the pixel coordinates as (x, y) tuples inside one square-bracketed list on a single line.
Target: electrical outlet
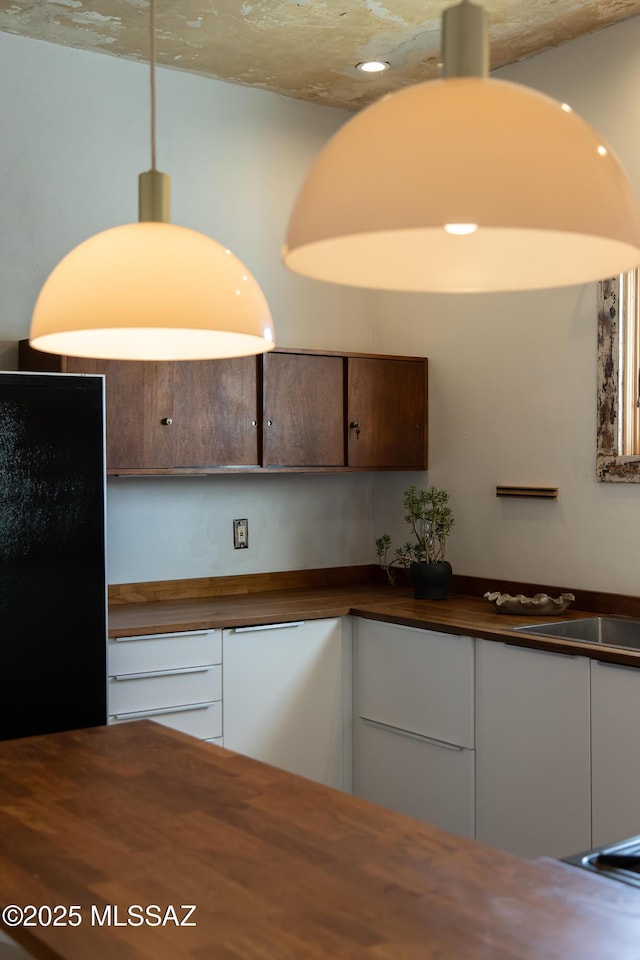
[(240, 534)]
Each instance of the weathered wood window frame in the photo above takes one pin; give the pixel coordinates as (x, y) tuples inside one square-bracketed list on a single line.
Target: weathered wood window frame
[(618, 380)]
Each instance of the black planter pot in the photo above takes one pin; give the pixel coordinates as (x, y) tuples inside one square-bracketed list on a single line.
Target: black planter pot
[(431, 580)]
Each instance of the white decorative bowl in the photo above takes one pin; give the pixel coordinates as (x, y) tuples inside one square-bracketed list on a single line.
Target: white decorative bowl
[(542, 605)]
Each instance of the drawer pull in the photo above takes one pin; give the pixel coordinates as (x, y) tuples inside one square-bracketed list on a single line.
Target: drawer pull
[(162, 636), (412, 736), (548, 653), (162, 711), (617, 666), (163, 673), (268, 626)]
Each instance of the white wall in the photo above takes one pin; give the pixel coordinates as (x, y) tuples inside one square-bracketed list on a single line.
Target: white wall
[(512, 376), (295, 522), (513, 381), (74, 138)]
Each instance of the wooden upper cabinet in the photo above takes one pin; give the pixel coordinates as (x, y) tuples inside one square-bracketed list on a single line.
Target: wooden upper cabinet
[(286, 410), (387, 412), (165, 416), (139, 401), (303, 423)]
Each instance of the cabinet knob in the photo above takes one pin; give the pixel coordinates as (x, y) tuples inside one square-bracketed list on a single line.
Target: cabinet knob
[(354, 425), (166, 421), (254, 423), (269, 423)]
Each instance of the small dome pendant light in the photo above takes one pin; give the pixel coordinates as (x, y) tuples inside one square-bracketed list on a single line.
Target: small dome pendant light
[(151, 290), (464, 184)]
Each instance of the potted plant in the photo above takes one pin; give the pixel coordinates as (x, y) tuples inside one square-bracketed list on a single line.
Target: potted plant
[(430, 517)]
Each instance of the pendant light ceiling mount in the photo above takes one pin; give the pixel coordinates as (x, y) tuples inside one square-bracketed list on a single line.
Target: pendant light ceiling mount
[(151, 290), (464, 184)]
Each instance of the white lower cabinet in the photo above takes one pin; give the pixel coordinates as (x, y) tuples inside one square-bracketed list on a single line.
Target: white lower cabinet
[(414, 723), (615, 726), (533, 774), (422, 778), (528, 750), (287, 697), (172, 678)]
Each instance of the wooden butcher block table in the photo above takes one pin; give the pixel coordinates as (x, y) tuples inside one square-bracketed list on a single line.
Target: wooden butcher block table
[(113, 820)]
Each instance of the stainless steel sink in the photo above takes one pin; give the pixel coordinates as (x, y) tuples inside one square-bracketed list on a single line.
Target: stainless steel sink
[(611, 631)]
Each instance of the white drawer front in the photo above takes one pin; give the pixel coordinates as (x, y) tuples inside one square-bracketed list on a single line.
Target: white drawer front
[(164, 651), (133, 693), (202, 720), (417, 777), (417, 680)]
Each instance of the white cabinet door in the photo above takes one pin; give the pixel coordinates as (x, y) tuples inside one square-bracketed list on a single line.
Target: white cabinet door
[(416, 680), (284, 689), (414, 723), (615, 747), (533, 788), (421, 778)]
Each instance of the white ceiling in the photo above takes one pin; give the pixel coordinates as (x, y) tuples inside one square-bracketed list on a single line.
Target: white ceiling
[(304, 48)]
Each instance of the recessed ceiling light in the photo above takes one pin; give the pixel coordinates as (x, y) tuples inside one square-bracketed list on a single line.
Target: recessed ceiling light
[(372, 66)]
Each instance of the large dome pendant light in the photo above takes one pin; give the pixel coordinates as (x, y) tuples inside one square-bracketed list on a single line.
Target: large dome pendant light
[(151, 290), (464, 184)]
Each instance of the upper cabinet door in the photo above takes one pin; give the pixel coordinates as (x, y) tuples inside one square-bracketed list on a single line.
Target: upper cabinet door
[(166, 415), (303, 410), (387, 413), (139, 411), (216, 413)]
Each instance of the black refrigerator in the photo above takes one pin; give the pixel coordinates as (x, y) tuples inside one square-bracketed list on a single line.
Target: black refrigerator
[(53, 613)]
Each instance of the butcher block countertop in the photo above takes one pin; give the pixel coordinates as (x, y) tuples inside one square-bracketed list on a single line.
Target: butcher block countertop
[(276, 867), (464, 615)]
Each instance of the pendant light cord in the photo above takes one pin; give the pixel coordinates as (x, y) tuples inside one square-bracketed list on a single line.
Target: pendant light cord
[(153, 186), (152, 65)]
